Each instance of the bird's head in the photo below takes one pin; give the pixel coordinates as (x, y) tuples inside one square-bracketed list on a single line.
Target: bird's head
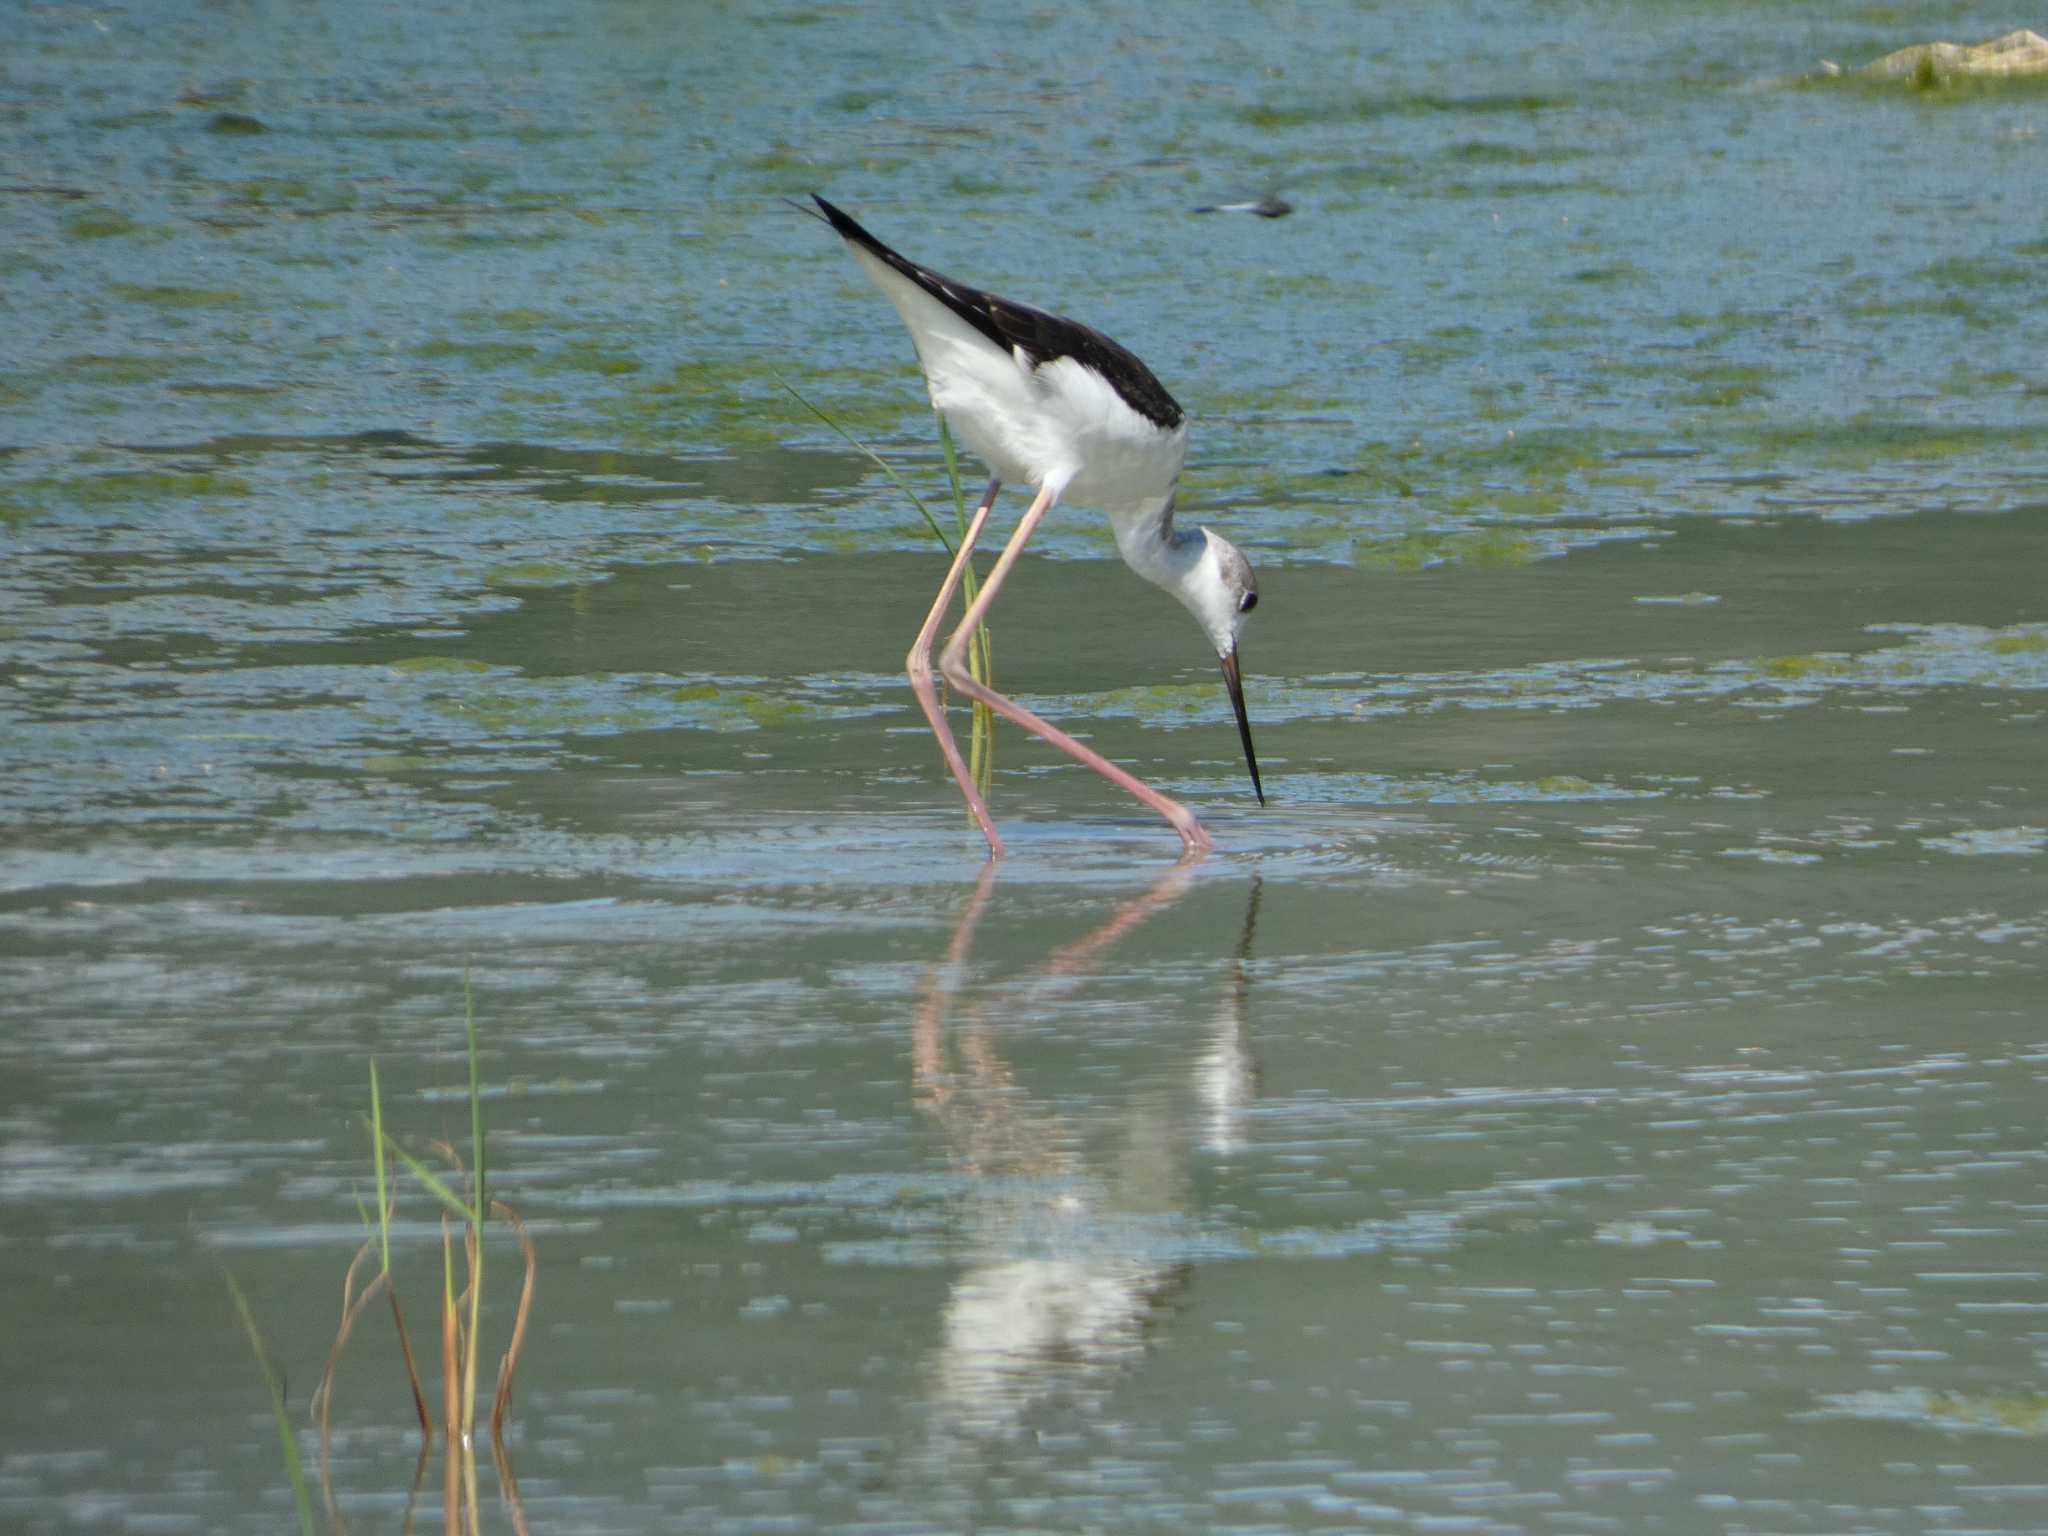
[(1222, 596)]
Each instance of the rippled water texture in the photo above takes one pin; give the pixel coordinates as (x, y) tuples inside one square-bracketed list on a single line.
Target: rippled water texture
[(1603, 1091)]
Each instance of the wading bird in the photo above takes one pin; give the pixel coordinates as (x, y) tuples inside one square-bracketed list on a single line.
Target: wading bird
[(1049, 403)]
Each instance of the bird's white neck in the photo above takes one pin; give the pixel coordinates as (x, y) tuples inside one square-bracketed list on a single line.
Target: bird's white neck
[(1186, 563), (1145, 536)]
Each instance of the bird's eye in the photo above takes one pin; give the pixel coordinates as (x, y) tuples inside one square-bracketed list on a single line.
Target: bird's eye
[(1248, 602)]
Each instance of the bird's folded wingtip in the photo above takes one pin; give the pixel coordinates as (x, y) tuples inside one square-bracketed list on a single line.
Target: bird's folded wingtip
[(837, 217), (807, 210)]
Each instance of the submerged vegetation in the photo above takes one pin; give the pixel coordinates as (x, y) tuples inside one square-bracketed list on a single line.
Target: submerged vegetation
[(465, 1207)]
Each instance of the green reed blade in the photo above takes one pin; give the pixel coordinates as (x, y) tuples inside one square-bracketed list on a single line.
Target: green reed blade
[(377, 1155), (286, 1443), (879, 462), (476, 1101)]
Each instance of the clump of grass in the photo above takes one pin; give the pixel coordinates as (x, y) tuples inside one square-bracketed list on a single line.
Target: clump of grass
[(467, 1203)]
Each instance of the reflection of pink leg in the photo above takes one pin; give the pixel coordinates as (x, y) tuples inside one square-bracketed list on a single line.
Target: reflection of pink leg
[(1079, 957), (935, 998), (920, 664), (952, 666)]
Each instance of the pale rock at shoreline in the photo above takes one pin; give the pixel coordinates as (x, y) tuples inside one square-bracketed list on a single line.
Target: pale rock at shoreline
[(2017, 53)]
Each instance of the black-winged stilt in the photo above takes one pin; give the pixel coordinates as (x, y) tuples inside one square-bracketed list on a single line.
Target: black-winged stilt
[(1048, 402)]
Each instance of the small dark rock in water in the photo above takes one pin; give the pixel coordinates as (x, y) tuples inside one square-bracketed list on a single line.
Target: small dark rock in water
[(1267, 207), (234, 122)]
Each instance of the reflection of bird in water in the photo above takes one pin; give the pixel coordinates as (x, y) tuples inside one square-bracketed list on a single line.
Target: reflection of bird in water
[(1068, 1267), (1227, 1075)]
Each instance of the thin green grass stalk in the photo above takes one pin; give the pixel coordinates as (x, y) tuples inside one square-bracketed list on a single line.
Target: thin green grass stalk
[(474, 1244), (980, 662), (430, 1181), (476, 1247), (879, 462), (476, 1100), (301, 1496), (981, 740), (377, 1153), (451, 1366)]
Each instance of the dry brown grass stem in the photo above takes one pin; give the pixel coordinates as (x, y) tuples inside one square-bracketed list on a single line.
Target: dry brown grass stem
[(510, 1363), (412, 1371), (508, 1488)]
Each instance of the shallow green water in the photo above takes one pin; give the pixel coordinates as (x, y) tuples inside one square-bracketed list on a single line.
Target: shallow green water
[(1602, 1090)]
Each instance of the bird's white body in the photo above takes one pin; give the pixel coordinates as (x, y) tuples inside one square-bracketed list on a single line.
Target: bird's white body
[(1057, 423), (1062, 426)]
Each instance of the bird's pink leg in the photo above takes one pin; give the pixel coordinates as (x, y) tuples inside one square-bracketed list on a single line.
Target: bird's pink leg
[(920, 665), (952, 666)]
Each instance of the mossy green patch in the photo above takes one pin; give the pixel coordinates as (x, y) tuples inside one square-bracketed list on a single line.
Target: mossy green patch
[(1491, 152), (429, 664), (175, 296), (2025, 644), (118, 368), (783, 167), (513, 319), (1982, 272), (1276, 115), (1481, 547), (477, 354), (1524, 506), (127, 487), (152, 117), (1270, 116), (575, 357), (496, 239), (1798, 668), (737, 403), (1726, 323), (1161, 703), (529, 573), (1955, 306), (1382, 173), (271, 191), (102, 224), (587, 357), (1546, 452), (1444, 345), (1721, 386), (1862, 441), (2017, 1414), (1262, 400), (740, 709)]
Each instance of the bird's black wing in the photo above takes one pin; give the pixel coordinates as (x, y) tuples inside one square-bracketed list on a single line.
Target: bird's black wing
[(1040, 336)]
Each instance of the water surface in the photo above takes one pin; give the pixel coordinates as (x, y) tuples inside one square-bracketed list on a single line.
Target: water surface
[(1602, 1090)]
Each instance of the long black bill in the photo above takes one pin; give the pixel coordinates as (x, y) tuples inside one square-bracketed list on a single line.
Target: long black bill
[(1235, 685)]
